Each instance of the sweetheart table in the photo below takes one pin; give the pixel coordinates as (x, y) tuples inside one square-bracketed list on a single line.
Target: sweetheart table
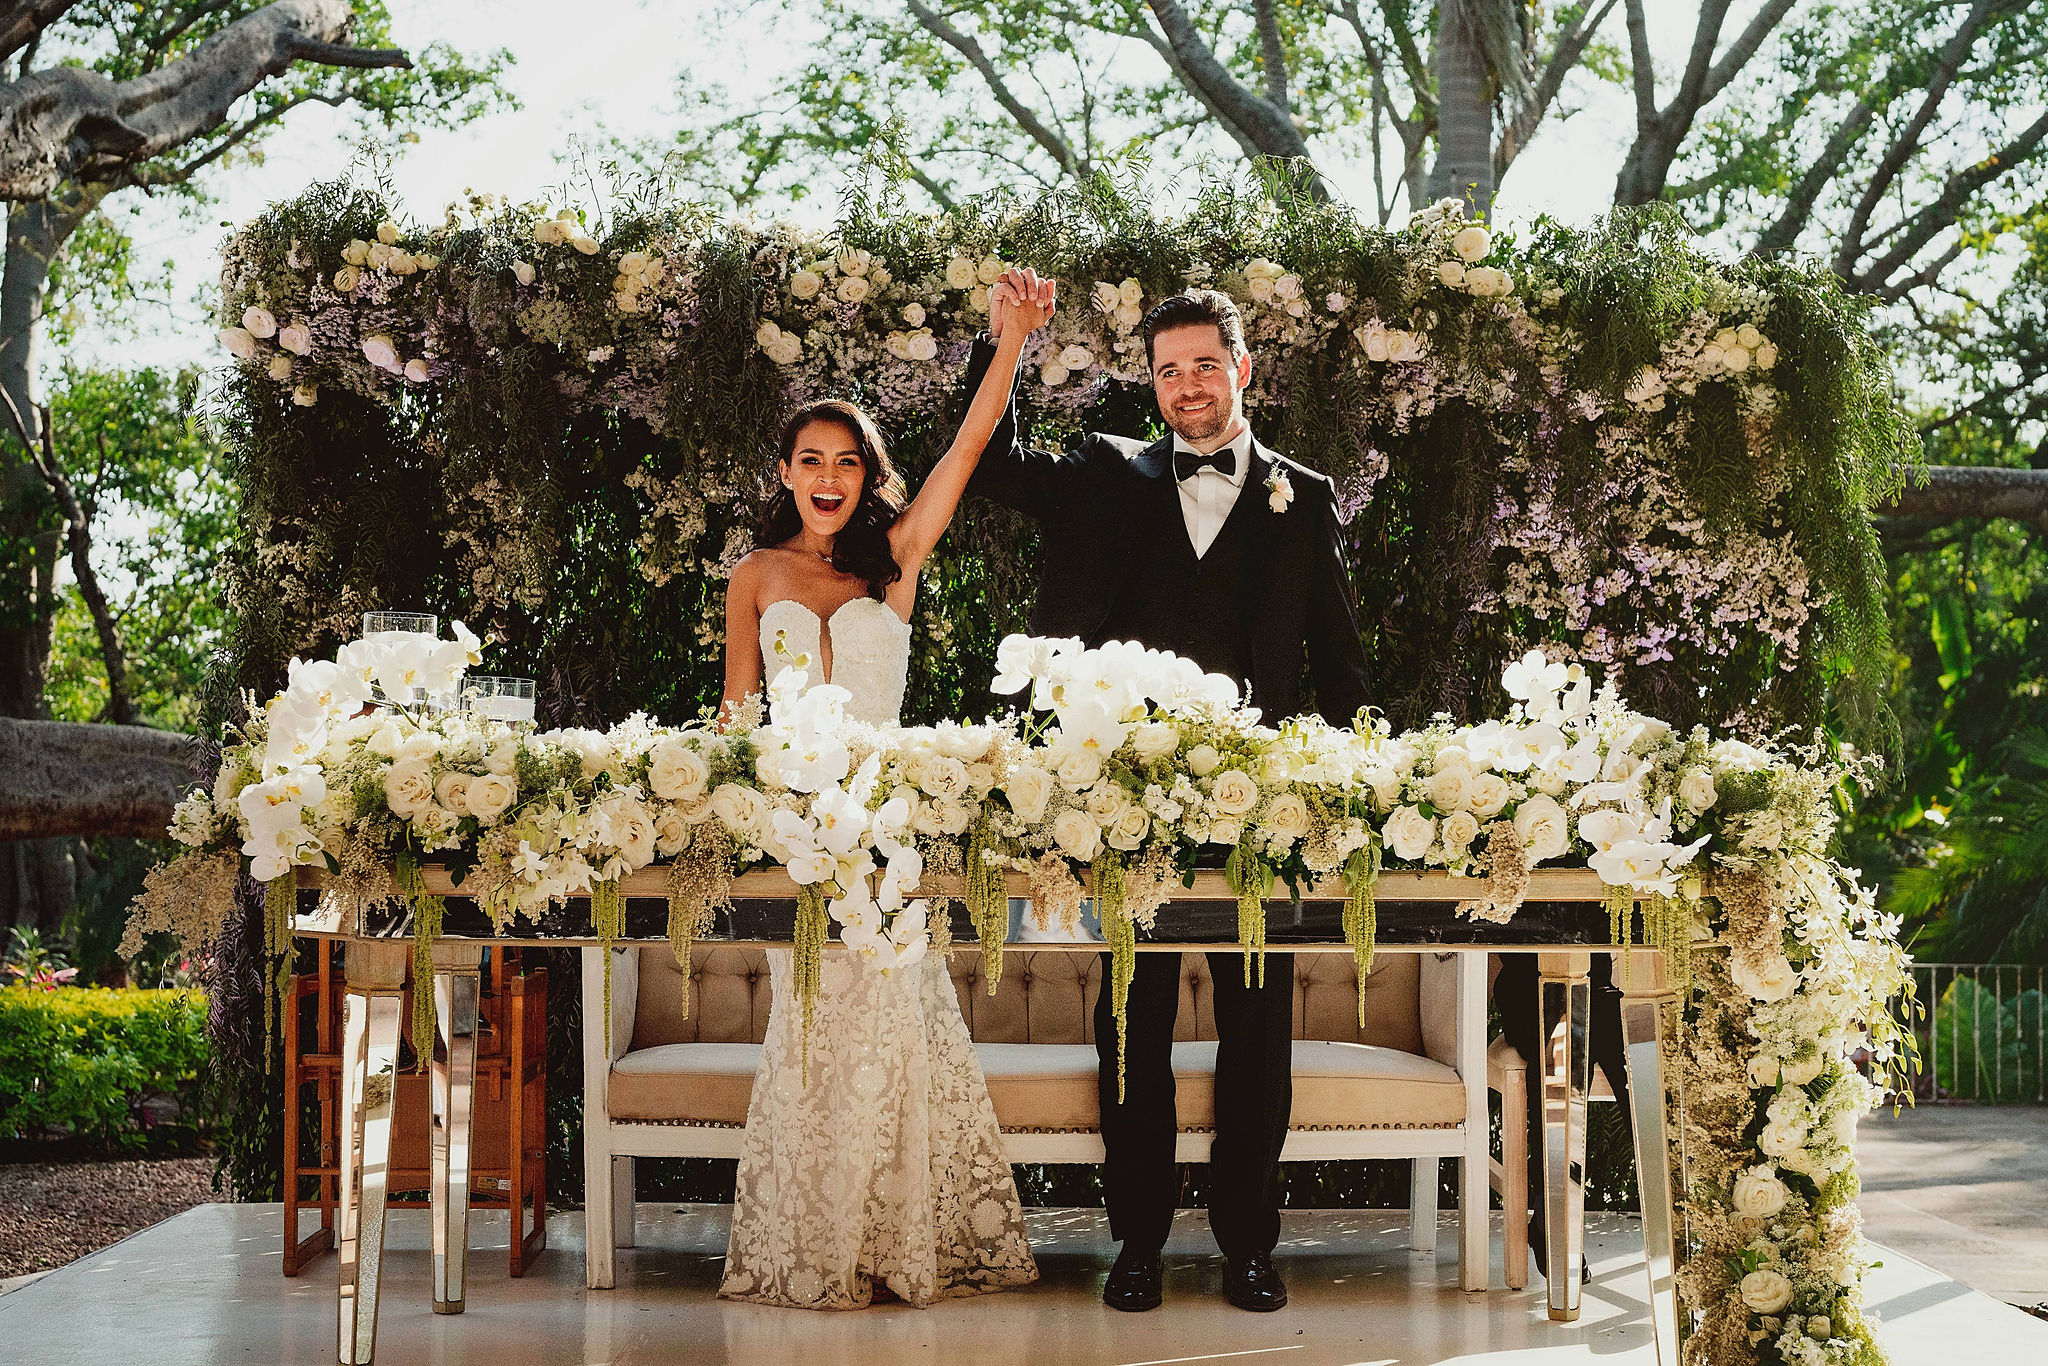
[(1564, 921)]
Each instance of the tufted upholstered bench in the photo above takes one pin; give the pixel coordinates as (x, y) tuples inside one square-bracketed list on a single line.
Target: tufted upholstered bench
[(1411, 1084)]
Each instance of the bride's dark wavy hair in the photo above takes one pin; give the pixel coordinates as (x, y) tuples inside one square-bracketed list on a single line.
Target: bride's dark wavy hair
[(862, 546)]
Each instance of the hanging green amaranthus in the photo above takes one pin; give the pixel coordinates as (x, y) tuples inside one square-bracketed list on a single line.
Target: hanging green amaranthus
[(1251, 878), (988, 902), (1122, 933), (1361, 912)]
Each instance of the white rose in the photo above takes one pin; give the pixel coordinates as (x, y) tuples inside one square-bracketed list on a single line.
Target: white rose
[(453, 792), (387, 232), (960, 273), (1820, 1328), (671, 833), (306, 395), (1234, 793), (1386, 787), (1806, 1070), (408, 788), (1202, 760), (1226, 832), (259, 321), (416, 370), (1451, 273), (1545, 828), (1766, 355), (1079, 768), (1155, 740), (1460, 829), (1077, 834), (1758, 1193), (788, 350), (990, 270), (1054, 375), (923, 346), (1409, 833), (280, 367), (1550, 780), (977, 299), (347, 278), (380, 255), (1104, 803), (852, 289), (297, 339), (1696, 789), (1472, 243), (1774, 982), (240, 342), (1107, 298), (1130, 827), (805, 284), (381, 352), (1029, 788), (584, 243), (403, 263), (742, 810), (1780, 1139), (1487, 794), (522, 271), (1077, 357), (1129, 316), (1449, 789), (490, 795), (357, 252), (1287, 816), (676, 772), (1766, 1291), (945, 778)]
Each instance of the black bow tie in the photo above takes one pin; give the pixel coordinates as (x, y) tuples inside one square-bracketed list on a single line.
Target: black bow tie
[(1187, 464)]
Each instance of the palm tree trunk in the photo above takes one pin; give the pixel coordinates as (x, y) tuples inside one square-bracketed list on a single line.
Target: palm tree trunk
[(1464, 158)]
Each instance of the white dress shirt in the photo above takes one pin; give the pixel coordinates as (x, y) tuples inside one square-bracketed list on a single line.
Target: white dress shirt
[(1207, 496)]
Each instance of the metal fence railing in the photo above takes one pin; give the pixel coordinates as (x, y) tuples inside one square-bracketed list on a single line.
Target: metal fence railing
[(1982, 1036)]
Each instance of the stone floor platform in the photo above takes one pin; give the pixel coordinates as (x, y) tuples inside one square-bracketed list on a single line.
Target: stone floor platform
[(203, 1289)]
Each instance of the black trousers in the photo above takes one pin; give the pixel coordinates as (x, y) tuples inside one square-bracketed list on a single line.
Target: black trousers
[(1254, 1093), (1515, 993)]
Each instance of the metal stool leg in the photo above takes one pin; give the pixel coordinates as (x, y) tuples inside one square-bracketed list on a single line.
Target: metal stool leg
[(1564, 991), (1645, 996), (457, 984), (376, 982)]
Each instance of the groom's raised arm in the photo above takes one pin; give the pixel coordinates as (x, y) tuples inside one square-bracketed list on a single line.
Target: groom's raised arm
[(1032, 481), (1336, 645)]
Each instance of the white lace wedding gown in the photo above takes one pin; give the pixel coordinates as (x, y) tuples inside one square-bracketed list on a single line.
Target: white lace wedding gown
[(887, 1166)]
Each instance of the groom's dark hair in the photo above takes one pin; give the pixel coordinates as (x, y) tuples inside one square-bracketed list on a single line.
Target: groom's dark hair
[(1197, 308)]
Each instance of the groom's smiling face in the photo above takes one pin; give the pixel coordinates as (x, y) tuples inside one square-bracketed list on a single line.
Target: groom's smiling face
[(1198, 383)]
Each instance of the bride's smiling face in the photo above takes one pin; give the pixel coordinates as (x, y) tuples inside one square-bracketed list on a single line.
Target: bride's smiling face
[(824, 473)]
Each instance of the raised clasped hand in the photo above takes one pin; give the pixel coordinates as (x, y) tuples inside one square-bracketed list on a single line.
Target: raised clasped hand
[(1021, 300)]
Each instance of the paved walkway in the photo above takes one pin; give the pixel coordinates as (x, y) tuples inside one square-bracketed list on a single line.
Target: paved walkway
[(1963, 1188)]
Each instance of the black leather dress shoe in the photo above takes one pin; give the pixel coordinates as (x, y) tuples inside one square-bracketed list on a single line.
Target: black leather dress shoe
[(1133, 1284), (1253, 1284)]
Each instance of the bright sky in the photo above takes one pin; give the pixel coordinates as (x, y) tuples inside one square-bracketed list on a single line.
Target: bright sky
[(613, 63)]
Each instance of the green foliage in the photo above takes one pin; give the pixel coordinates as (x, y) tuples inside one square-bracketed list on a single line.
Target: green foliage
[(153, 482), (82, 1061)]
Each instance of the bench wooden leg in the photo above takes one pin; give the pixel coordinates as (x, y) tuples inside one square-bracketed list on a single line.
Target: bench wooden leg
[(622, 1202), (597, 1137), (1514, 1179), (1564, 993), (1422, 1181)]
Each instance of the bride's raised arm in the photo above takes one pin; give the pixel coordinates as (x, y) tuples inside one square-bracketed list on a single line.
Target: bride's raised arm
[(1018, 306)]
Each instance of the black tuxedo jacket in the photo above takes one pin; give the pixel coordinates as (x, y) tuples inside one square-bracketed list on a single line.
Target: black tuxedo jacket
[(1092, 500)]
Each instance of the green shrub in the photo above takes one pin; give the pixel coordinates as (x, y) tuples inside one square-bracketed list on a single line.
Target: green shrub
[(84, 1061)]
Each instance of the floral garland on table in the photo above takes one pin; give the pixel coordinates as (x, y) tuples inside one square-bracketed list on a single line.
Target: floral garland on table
[(1123, 768)]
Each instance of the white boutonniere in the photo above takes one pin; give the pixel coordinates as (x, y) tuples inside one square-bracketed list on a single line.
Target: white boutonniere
[(1279, 493)]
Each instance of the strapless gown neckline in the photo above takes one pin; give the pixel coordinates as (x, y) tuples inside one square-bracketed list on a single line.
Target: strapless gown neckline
[(870, 652)]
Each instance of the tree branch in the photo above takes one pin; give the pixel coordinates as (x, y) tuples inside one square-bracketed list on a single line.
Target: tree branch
[(68, 123), (60, 778), (120, 709), (1955, 492), (1520, 127), (1785, 230), (1273, 55), (965, 44), (1245, 145), (1907, 142), (1744, 48), (1269, 128), (1936, 217), (23, 22)]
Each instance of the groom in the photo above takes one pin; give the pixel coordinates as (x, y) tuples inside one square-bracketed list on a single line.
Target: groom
[(1210, 545)]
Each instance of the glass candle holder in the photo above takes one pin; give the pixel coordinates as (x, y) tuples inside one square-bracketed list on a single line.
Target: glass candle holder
[(498, 697), (395, 623)]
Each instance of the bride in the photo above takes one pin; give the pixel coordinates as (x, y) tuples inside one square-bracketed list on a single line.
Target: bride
[(883, 1164)]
